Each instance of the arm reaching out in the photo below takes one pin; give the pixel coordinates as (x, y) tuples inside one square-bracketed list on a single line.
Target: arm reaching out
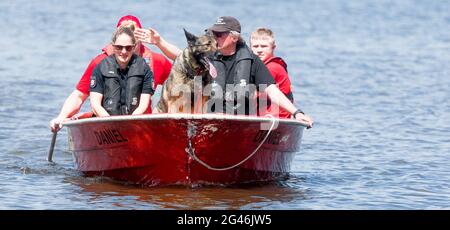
[(151, 36)]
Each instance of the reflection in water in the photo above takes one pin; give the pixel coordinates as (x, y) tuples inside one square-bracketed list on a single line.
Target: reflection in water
[(248, 196)]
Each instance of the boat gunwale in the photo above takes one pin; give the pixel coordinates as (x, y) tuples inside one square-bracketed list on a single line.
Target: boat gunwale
[(181, 116)]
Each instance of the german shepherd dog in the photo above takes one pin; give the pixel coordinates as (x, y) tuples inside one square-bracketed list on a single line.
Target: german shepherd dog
[(191, 70)]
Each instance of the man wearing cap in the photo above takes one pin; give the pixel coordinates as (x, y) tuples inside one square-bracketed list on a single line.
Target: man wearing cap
[(157, 63), (237, 65)]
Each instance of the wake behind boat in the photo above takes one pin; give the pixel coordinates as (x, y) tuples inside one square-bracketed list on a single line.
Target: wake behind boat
[(186, 149)]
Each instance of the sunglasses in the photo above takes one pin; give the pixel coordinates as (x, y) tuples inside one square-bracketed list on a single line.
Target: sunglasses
[(120, 48), (220, 34)]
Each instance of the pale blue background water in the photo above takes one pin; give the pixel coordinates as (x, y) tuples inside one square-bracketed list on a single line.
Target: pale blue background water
[(374, 75)]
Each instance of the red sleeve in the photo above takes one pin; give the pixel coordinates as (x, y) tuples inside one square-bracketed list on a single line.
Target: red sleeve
[(83, 84), (161, 68), (280, 76)]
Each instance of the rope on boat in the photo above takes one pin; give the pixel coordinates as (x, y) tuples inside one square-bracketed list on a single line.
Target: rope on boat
[(192, 154)]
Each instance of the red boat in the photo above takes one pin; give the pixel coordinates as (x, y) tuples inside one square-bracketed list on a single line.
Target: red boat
[(186, 149)]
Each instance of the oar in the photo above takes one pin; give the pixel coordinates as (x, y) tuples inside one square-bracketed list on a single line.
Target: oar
[(52, 146)]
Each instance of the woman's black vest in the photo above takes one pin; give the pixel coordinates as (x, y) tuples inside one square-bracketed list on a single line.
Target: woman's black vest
[(236, 97), (123, 89)]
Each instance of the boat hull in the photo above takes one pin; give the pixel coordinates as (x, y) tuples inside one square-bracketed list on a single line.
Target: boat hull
[(187, 149)]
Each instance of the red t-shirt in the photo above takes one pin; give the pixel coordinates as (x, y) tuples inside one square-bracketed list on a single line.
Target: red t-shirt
[(159, 65), (278, 68)]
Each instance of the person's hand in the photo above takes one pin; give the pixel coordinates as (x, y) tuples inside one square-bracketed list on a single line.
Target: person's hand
[(56, 124), (150, 36), (304, 119)]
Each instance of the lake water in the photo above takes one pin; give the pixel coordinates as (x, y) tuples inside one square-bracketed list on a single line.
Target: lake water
[(373, 74)]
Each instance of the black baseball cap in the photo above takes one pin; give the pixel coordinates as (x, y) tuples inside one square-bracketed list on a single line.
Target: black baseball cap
[(225, 24)]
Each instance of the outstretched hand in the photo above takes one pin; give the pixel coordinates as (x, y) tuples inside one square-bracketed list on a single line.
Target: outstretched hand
[(150, 35)]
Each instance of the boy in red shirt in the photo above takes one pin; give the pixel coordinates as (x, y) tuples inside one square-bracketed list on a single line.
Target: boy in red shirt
[(262, 43)]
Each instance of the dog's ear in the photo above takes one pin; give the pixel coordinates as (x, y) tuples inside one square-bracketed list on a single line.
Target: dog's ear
[(190, 37)]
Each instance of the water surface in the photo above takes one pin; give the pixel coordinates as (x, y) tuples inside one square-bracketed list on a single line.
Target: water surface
[(374, 75)]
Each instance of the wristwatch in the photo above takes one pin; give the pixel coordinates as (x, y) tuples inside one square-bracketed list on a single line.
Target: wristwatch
[(297, 111)]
